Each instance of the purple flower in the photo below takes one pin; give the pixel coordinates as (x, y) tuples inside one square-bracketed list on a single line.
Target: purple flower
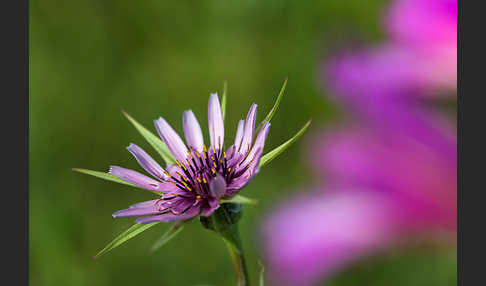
[(419, 58), (202, 175), (380, 187)]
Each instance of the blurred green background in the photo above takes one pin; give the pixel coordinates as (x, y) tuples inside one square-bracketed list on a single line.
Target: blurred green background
[(90, 59)]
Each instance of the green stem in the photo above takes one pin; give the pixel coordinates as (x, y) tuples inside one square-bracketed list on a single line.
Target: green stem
[(225, 224)]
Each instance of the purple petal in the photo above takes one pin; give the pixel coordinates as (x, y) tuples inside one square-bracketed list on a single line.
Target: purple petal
[(145, 204), (134, 177), (259, 143), (139, 211), (180, 205), (239, 134), (213, 204), (216, 124), (171, 139), (247, 176), (192, 131), (217, 187), (249, 129), (147, 162), (192, 212)]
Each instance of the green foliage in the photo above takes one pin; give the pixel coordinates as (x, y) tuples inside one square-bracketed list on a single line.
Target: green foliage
[(267, 158), (153, 140), (130, 233), (275, 106), (173, 230)]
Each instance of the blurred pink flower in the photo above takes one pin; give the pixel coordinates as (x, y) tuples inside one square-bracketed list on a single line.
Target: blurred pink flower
[(383, 186), (389, 177), (420, 55)]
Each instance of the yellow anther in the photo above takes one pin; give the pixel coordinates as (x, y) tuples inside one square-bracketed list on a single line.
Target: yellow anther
[(197, 153), (190, 154), (204, 147), (215, 166), (204, 180), (198, 197), (224, 153), (229, 169), (214, 171), (167, 173), (199, 180)]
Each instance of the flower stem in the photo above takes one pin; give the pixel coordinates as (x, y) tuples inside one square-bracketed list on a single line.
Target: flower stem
[(239, 263), (225, 222)]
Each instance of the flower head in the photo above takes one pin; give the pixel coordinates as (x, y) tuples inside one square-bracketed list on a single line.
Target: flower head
[(201, 175)]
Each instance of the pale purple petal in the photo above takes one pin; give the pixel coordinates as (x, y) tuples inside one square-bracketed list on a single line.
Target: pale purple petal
[(247, 139), (134, 177), (239, 134), (192, 131), (139, 211), (167, 217), (145, 204), (149, 164), (216, 124), (259, 143), (213, 205), (179, 205), (217, 187), (246, 176), (171, 139)]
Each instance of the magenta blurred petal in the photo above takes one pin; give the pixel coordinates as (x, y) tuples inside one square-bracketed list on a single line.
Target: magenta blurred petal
[(317, 234)]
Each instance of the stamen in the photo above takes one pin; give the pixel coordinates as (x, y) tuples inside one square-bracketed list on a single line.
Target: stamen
[(198, 197)]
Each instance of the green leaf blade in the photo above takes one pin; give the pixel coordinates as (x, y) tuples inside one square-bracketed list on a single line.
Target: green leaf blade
[(261, 280), (240, 199), (153, 140), (110, 177), (223, 100), (130, 233), (173, 230), (267, 158), (104, 176), (275, 106)]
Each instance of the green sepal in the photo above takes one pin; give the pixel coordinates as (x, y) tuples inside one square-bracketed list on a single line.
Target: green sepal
[(153, 140), (223, 100), (239, 199), (275, 106), (173, 230), (267, 158), (110, 177), (133, 231)]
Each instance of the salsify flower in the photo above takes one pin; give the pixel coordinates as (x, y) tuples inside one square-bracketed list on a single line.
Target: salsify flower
[(199, 179), (201, 175)]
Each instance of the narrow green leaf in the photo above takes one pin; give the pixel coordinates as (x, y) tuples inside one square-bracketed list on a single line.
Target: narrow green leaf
[(133, 231), (104, 176), (109, 177), (223, 100), (261, 281), (153, 140), (241, 200), (173, 230), (277, 151), (275, 106)]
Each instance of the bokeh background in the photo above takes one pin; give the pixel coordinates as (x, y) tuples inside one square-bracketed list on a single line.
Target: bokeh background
[(91, 59)]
